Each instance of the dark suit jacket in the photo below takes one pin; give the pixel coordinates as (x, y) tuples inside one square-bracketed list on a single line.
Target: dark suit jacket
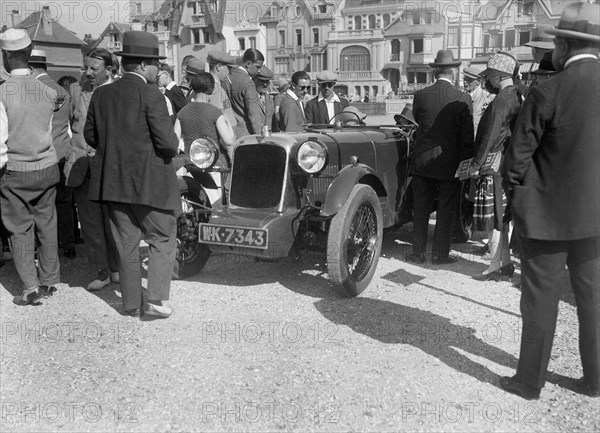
[(129, 126), (244, 99), (316, 112), (267, 111), (291, 116), (445, 133), (177, 98), (552, 160), (60, 120)]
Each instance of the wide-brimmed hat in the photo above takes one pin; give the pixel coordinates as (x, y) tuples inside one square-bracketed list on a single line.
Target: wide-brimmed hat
[(472, 73), (445, 59), (579, 21), (500, 64), (195, 66), (38, 57), (327, 77), (221, 57), (546, 66), (541, 39), (140, 44), (14, 40)]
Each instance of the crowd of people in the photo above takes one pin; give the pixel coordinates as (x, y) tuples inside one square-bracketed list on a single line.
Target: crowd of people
[(106, 145)]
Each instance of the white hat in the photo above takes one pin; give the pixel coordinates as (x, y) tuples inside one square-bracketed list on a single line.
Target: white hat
[(14, 40)]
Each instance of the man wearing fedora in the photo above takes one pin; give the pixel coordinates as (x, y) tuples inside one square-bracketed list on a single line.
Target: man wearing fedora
[(28, 169), (243, 95), (551, 170), (444, 137), (323, 108), (129, 126), (61, 141)]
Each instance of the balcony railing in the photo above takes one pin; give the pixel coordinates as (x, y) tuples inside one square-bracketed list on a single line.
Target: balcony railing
[(356, 34), (354, 75), (395, 57), (490, 50)]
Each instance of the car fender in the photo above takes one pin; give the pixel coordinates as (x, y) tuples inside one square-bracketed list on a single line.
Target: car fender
[(342, 185)]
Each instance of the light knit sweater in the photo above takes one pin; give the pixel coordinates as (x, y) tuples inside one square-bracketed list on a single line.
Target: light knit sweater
[(28, 105)]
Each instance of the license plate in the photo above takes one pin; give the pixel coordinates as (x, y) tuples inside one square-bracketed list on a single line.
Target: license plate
[(235, 236)]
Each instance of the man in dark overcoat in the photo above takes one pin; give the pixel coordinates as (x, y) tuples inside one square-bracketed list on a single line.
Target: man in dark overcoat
[(129, 126), (552, 172), (443, 139), (327, 104)]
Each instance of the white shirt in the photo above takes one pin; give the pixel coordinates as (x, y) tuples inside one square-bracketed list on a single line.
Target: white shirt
[(446, 79), (330, 106)]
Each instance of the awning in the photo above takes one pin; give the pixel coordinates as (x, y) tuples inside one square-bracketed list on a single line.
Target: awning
[(392, 65)]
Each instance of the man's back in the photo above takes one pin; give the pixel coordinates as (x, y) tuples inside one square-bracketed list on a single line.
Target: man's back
[(60, 120), (557, 182), (243, 97)]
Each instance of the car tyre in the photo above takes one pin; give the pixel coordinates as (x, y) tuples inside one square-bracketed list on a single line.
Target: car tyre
[(191, 256), (354, 242), (463, 225)]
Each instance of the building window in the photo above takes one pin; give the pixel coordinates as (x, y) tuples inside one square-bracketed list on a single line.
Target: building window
[(417, 46), (386, 20), (355, 58), (281, 38), (323, 8), (195, 36), (396, 49), (416, 18), (350, 22), (524, 37), (252, 40), (242, 43), (316, 36), (298, 37), (466, 37), (213, 5), (453, 36), (428, 17), (357, 23), (371, 21), (510, 38), (196, 8)]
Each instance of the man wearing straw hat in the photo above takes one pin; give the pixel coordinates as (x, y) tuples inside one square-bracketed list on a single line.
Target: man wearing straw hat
[(552, 171), (443, 139), (129, 126)]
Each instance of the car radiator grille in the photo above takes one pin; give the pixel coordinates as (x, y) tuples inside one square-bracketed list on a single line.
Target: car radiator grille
[(321, 183), (257, 176)]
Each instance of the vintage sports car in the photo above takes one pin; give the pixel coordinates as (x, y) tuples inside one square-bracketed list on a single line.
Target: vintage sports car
[(329, 187)]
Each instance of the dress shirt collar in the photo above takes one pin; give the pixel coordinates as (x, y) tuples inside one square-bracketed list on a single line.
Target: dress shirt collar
[(579, 57), (139, 75), (445, 79), (42, 74), (292, 95), (334, 98), (20, 71), (171, 85)]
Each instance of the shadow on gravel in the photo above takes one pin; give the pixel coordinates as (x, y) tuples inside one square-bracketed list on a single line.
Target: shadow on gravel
[(435, 335)]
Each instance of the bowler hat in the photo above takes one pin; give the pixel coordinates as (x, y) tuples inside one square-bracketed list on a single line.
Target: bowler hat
[(264, 74), (195, 66), (327, 77), (221, 57), (14, 40), (579, 21), (444, 59), (500, 64), (471, 73), (541, 39), (140, 44), (546, 65), (38, 57)]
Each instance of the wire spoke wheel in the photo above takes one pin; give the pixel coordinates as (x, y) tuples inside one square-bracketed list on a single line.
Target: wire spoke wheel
[(361, 241)]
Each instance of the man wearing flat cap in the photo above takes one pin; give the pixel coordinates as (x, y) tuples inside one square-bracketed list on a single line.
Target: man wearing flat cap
[(552, 171), (262, 80), (193, 67), (129, 126), (28, 169), (443, 139), (323, 108), (220, 64)]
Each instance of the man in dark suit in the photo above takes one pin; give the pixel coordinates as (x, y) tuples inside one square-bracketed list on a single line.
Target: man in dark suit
[(262, 80), (551, 172), (323, 108), (443, 139), (291, 109), (171, 89), (129, 126), (243, 95)]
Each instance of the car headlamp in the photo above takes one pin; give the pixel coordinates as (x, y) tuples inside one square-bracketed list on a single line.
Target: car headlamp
[(204, 153), (312, 156)]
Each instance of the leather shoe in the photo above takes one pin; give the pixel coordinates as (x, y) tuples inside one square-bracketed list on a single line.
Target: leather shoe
[(512, 385), (415, 258), (444, 260), (28, 297), (101, 281), (583, 387), (508, 270), (157, 311), (47, 291), (134, 312)]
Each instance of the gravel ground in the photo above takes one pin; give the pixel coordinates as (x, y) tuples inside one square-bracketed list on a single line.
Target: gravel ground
[(271, 347)]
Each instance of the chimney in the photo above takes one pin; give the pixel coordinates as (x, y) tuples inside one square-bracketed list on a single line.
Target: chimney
[(15, 17), (46, 20)]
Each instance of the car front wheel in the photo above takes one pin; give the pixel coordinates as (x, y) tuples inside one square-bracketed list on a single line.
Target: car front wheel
[(354, 243)]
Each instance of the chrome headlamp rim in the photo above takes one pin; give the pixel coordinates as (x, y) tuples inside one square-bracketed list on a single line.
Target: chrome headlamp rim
[(323, 156), (208, 147)]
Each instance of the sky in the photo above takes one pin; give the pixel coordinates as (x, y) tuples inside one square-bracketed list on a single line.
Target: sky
[(79, 16)]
